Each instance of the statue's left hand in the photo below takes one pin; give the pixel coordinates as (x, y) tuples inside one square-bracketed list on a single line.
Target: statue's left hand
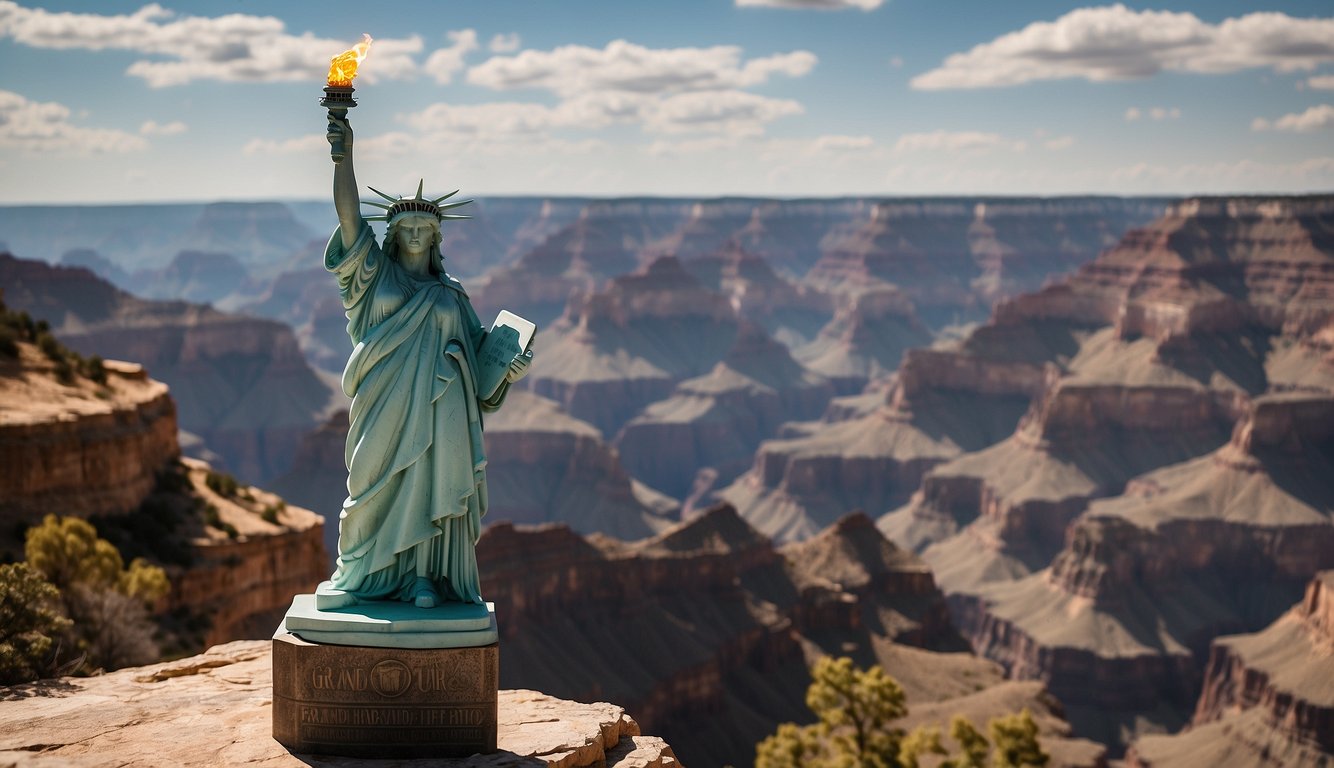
[(519, 367)]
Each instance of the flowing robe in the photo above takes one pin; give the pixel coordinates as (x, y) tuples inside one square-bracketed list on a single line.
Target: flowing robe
[(416, 466)]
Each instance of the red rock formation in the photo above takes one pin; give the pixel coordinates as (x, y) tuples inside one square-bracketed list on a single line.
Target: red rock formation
[(940, 405), (792, 313), (1268, 697), (1147, 579), (865, 340), (79, 449), (240, 383), (698, 629), (630, 344), (109, 452), (714, 423)]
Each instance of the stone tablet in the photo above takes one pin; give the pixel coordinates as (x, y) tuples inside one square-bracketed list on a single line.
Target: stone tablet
[(384, 702)]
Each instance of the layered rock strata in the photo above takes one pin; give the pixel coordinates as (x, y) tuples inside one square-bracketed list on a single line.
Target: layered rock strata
[(712, 424), (622, 348), (241, 384), (704, 620), (1147, 579), (939, 405), (108, 452), (79, 448), (1268, 697)]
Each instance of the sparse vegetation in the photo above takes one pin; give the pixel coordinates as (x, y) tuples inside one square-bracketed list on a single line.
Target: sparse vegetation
[(19, 326), (855, 710), (222, 484), (213, 519), (270, 513), (106, 602), (30, 624)]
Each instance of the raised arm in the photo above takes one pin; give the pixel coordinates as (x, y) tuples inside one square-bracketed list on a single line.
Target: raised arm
[(346, 200)]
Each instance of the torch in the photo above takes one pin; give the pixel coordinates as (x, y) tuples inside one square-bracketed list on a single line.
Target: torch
[(338, 93)]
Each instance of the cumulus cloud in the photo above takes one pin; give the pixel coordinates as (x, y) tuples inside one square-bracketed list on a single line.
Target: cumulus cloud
[(820, 5), (154, 128), (1059, 143), (505, 43), (625, 66), (304, 146), (1153, 113), (735, 113), (1117, 43), (1248, 175), (1321, 82), (44, 126), (234, 47), (955, 141), (1317, 118), (445, 62)]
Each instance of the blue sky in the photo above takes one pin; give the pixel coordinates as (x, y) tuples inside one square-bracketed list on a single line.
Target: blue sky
[(126, 102)]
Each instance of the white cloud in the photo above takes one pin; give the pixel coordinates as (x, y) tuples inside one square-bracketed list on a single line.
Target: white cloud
[(734, 113), (1239, 176), (1317, 118), (234, 47), (691, 146), (1321, 82), (1154, 113), (304, 145), (1059, 143), (896, 62), (44, 127), (1117, 43), (822, 5), (837, 143), (443, 63), (955, 141), (505, 43), (154, 128), (625, 66)]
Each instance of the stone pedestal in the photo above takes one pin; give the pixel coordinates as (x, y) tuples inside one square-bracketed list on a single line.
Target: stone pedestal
[(359, 701)]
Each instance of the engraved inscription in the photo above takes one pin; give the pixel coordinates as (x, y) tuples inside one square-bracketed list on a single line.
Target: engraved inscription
[(459, 676), (391, 678), (393, 717)]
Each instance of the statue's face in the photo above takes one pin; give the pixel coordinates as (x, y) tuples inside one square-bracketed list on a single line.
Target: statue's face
[(416, 233)]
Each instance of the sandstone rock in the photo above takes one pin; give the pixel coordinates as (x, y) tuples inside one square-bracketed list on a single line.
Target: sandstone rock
[(792, 313), (865, 339), (214, 709), (714, 423), (240, 383), (79, 448), (702, 631), (1148, 578), (630, 344), (1268, 697)]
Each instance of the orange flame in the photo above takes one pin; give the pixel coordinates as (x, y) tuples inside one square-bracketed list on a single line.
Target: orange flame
[(343, 67)]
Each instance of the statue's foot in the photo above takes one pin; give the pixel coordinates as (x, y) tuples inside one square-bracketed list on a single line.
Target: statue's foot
[(424, 594)]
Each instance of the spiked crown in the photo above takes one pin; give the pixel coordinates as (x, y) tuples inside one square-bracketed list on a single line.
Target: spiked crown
[(416, 204)]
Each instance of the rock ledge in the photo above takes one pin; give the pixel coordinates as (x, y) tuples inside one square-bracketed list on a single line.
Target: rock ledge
[(214, 709)]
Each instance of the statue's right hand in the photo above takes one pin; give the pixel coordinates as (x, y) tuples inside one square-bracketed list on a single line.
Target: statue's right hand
[(340, 131)]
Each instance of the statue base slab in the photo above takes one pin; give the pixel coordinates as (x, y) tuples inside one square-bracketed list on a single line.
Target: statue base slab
[(334, 617), (382, 702)]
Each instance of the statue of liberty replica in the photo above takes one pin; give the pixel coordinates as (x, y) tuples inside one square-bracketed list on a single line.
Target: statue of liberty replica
[(397, 654)]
